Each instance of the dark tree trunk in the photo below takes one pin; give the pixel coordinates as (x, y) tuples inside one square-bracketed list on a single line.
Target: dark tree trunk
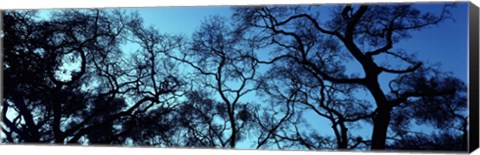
[(57, 100), (344, 141), (382, 117), (233, 137), (380, 126)]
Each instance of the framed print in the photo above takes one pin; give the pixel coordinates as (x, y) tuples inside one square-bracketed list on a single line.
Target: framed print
[(347, 77)]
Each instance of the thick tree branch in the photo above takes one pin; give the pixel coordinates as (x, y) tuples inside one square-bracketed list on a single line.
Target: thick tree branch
[(403, 97), (408, 70)]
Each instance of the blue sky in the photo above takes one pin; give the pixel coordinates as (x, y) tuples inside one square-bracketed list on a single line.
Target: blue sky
[(179, 20), (445, 43)]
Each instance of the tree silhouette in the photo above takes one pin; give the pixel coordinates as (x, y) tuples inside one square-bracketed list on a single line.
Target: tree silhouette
[(360, 34), (90, 76), (50, 101), (218, 54), (445, 112), (441, 142), (292, 85)]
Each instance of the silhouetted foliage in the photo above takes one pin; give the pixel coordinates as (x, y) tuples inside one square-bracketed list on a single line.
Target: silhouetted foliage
[(439, 142), (68, 80), (92, 76), (336, 103), (353, 34), (219, 55)]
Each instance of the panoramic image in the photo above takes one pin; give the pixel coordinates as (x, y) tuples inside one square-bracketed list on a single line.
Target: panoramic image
[(321, 77)]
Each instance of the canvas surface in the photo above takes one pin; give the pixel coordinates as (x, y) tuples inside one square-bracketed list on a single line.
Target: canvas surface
[(279, 77)]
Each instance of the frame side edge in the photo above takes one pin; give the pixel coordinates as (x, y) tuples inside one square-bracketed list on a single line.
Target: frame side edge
[(1, 69), (473, 138)]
